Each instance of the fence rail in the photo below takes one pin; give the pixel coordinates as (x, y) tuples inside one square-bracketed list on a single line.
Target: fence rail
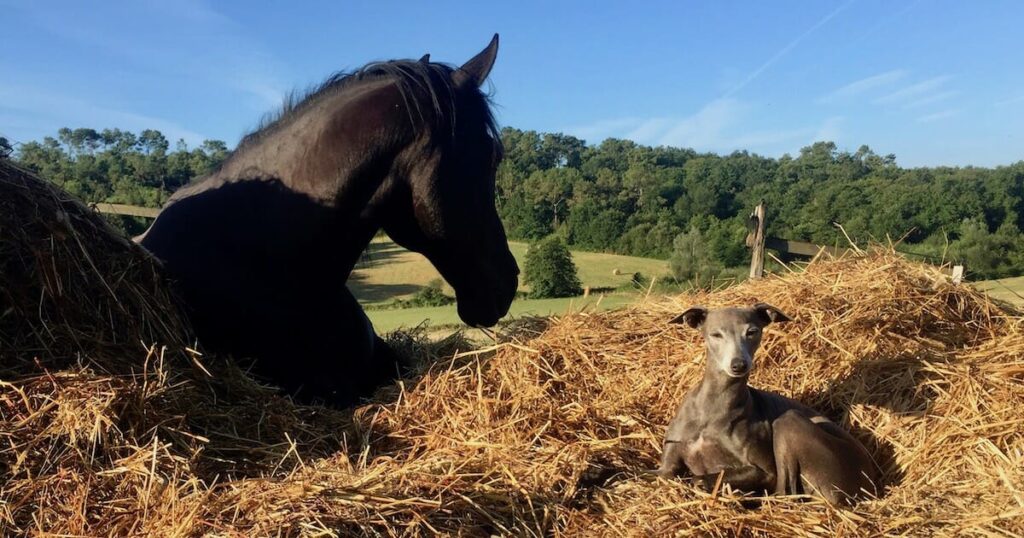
[(127, 210)]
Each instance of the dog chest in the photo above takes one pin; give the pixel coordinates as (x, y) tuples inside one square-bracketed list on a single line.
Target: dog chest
[(709, 454)]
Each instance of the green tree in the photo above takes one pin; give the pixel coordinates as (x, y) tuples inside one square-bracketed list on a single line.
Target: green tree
[(623, 197), (691, 259), (552, 189), (986, 254), (550, 271)]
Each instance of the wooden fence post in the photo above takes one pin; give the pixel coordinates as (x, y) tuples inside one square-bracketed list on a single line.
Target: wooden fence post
[(756, 242)]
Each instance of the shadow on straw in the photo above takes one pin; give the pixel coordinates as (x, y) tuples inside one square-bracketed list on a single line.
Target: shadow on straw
[(900, 385)]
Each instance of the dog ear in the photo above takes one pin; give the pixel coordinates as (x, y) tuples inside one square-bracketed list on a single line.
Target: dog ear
[(693, 316), (770, 314)]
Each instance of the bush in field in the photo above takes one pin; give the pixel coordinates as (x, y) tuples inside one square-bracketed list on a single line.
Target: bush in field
[(430, 295), (550, 271), (640, 281)]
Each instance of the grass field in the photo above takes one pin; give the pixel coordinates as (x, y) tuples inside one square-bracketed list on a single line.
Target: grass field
[(1010, 290), (446, 316), (388, 272)]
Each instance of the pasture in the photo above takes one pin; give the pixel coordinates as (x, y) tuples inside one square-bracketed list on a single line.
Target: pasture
[(388, 272), (1010, 290)]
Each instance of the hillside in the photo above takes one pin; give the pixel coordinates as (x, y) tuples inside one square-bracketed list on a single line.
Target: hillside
[(1010, 290), (388, 271)]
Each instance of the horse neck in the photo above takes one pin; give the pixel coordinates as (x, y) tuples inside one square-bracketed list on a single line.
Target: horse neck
[(343, 176), (309, 153)]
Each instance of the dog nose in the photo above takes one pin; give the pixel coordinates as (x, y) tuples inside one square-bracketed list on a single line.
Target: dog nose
[(738, 366)]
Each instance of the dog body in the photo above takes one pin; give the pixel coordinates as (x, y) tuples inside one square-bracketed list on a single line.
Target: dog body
[(757, 441)]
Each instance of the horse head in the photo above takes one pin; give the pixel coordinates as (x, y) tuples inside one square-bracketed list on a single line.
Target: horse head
[(444, 198)]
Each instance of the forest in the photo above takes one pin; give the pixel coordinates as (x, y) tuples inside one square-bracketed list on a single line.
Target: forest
[(626, 198)]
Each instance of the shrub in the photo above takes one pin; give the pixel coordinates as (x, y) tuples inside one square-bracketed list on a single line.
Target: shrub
[(640, 281), (430, 295), (550, 271), (989, 254)]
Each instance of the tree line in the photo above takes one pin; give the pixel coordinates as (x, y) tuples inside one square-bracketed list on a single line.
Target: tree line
[(692, 207), (119, 166), (627, 198)]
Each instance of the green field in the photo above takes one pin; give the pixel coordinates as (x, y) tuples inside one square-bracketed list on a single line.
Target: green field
[(1010, 290), (446, 316), (388, 272)]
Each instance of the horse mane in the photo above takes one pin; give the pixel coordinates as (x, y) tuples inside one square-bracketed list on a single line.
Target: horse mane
[(422, 85)]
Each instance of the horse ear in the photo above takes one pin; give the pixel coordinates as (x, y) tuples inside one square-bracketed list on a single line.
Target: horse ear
[(425, 59), (694, 316), (770, 314), (475, 71)]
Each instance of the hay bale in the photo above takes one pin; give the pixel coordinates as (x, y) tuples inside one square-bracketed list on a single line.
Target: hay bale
[(107, 418), (69, 284), (543, 435)]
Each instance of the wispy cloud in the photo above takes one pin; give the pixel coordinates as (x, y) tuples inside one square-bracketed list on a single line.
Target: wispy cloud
[(705, 128), (601, 129), (948, 113), (830, 130), (863, 85), (649, 130), (785, 50), (913, 90), (931, 99), (220, 52), (192, 10), (72, 112), (769, 141), (719, 126), (881, 23)]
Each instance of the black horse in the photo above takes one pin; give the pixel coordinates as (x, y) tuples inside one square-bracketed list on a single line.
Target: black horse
[(260, 250)]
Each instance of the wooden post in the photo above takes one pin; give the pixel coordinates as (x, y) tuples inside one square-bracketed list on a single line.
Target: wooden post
[(756, 242)]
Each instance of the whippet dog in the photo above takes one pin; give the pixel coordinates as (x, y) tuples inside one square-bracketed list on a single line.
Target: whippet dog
[(757, 441)]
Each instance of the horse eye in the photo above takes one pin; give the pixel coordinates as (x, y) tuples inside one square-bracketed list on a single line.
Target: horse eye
[(752, 331), (716, 335)]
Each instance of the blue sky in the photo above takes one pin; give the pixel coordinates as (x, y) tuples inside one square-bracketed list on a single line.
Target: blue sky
[(933, 81)]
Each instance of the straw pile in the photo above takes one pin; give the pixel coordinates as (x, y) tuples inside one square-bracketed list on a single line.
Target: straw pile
[(69, 284), (544, 435)]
